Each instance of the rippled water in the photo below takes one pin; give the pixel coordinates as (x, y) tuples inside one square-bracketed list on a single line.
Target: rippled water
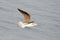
[(45, 12)]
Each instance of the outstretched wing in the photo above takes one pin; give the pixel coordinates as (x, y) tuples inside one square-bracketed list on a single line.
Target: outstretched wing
[(26, 16)]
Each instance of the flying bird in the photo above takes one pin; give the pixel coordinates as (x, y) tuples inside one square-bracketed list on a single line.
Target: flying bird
[(27, 20)]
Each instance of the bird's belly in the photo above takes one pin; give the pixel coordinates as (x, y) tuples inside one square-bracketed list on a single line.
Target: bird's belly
[(23, 25)]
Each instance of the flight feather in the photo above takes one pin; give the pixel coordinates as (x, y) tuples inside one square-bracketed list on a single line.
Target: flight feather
[(26, 16)]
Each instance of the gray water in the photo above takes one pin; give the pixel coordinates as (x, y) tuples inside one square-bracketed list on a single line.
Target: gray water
[(45, 12)]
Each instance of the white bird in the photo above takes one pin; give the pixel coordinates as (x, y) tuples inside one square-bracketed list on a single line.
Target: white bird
[(27, 22)]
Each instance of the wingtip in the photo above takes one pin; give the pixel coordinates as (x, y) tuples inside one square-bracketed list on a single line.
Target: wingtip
[(18, 8)]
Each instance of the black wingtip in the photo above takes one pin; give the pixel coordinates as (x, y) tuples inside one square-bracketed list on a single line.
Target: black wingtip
[(18, 9), (24, 12), (21, 11)]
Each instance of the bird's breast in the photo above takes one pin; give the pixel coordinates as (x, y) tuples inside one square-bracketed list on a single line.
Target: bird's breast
[(23, 25)]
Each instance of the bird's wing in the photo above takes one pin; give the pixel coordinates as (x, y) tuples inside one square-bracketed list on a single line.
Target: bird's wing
[(26, 15)]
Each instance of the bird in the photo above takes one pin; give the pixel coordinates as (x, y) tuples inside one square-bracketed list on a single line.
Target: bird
[(27, 20)]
